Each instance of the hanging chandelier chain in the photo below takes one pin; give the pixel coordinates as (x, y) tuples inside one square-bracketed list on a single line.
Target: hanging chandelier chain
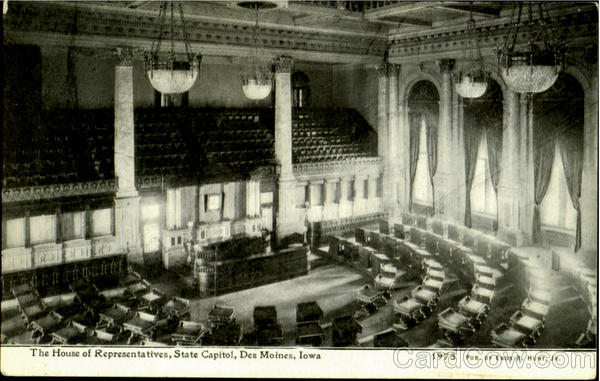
[(161, 23), (172, 33), (186, 40)]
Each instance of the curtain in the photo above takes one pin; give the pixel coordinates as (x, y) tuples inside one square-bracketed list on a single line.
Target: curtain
[(544, 138), (472, 137), (414, 121), (571, 150), (494, 147), (431, 118)]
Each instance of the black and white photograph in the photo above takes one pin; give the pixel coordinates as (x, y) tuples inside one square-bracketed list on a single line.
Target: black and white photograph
[(300, 188)]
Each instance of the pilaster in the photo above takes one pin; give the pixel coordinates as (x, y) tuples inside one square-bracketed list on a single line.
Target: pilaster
[(286, 221), (127, 201), (445, 176)]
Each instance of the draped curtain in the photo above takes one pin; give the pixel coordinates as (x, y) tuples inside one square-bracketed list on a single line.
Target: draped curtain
[(544, 138), (572, 158), (494, 147), (431, 119), (472, 138), (571, 150), (414, 121)]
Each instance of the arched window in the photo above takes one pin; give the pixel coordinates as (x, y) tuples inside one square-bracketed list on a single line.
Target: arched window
[(423, 116), (558, 116)]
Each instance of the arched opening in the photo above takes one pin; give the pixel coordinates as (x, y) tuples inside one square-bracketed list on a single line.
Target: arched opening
[(558, 118), (423, 119)]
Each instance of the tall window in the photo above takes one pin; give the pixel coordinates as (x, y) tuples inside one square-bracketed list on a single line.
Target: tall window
[(556, 209), (483, 196), (422, 189)]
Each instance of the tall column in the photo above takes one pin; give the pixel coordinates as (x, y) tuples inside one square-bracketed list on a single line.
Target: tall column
[(127, 201), (526, 171), (589, 178), (394, 145), (384, 110), (509, 189), (401, 155), (457, 196), (445, 175), (286, 217)]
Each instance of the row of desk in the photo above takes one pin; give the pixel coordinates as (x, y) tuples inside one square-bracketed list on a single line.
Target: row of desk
[(526, 324)]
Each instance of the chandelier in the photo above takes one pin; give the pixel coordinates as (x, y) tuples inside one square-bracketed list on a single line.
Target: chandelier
[(166, 73), (535, 68), (257, 77), (472, 82)]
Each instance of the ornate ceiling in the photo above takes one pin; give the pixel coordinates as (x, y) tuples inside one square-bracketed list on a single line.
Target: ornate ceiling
[(312, 30)]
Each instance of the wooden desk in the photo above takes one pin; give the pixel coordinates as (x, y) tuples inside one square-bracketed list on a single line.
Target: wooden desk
[(66, 335), (535, 309), (115, 315), (141, 324), (435, 274), (529, 324), (453, 321), (433, 284), (472, 307), (424, 295), (46, 324), (482, 293), (177, 306), (433, 265), (507, 337)]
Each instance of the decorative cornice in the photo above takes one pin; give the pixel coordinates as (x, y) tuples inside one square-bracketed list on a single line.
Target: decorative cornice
[(56, 191), (51, 20), (575, 28)]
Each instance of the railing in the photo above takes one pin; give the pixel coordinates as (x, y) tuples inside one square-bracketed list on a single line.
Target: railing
[(52, 254)]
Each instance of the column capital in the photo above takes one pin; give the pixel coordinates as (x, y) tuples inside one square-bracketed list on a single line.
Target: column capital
[(446, 65), (284, 64), (126, 55), (387, 69)]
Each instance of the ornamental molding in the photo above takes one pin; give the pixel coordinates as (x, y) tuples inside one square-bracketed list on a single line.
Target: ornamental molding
[(284, 64), (574, 29), (349, 167), (56, 191), (47, 20)]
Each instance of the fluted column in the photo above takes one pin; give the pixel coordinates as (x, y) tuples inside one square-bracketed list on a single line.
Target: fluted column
[(127, 224), (509, 189), (445, 175), (589, 178), (286, 222)]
